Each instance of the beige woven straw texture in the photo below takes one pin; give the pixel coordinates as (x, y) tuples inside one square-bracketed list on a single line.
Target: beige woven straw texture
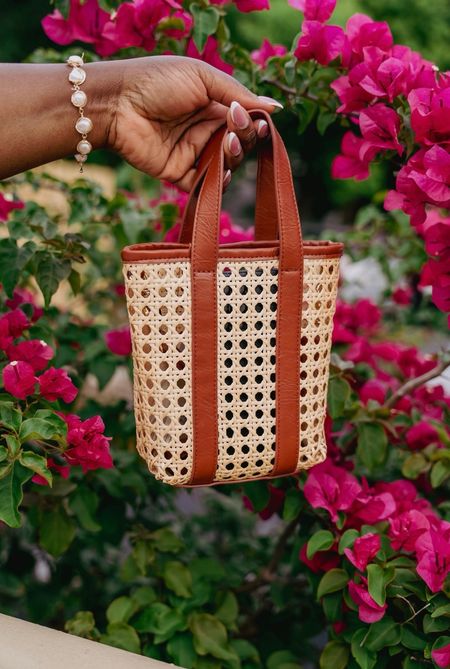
[(159, 306)]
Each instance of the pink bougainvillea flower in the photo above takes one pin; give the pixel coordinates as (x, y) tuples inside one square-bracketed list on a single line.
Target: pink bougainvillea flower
[(331, 488), (436, 273), (319, 42), (421, 435), (360, 317), (210, 54), (430, 115), (63, 470), (406, 528), (407, 196), (119, 341), (441, 654), (34, 351), (55, 384), (86, 23), (88, 446), (374, 389), (229, 232), (433, 553), (379, 126), (24, 296), (19, 379), (12, 324), (368, 610), (320, 561), (381, 76), (354, 160), (420, 72), (7, 204), (135, 23), (315, 10), (437, 237), (352, 96), (402, 295), (362, 32), (370, 506), (267, 50), (364, 550), (404, 494)]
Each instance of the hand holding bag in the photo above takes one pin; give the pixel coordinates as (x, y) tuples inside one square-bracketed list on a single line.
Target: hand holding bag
[(231, 344)]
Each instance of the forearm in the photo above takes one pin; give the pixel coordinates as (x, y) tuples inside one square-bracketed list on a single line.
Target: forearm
[(38, 119)]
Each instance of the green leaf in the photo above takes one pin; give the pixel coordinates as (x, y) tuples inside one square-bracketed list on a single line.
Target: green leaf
[(3, 453), (245, 650), (386, 632), (166, 541), (440, 472), (120, 610), (11, 493), (281, 658), (441, 611), (324, 120), (206, 20), (258, 494), (338, 394), (50, 271), (178, 578), (143, 596), (84, 503), (37, 463), (293, 502), (12, 260), (364, 657), (13, 446), (378, 579), (82, 624), (320, 541), (44, 425), (75, 281), (158, 618), (332, 606), (228, 609), (414, 465), (210, 636), (121, 635), (412, 639), (372, 445), (334, 656), (332, 581), (347, 540), (181, 650), (10, 417), (56, 531), (431, 625)]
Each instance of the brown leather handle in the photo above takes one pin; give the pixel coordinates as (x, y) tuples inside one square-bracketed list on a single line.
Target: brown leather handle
[(204, 258), (207, 215), (265, 216)]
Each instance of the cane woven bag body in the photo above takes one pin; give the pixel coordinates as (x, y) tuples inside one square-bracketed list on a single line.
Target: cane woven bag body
[(231, 344)]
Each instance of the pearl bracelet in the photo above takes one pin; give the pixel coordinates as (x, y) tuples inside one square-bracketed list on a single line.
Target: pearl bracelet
[(84, 124)]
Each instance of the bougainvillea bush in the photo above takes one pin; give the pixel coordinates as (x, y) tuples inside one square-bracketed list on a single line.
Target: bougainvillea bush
[(344, 566)]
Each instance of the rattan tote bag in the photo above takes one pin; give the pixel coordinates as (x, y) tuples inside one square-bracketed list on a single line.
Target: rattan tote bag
[(231, 344)]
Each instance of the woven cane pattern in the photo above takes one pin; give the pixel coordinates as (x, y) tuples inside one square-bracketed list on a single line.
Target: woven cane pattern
[(158, 296), (159, 308)]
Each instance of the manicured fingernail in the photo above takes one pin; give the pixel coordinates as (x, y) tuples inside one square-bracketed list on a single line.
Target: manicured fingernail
[(270, 101), (262, 128), (226, 179), (240, 118), (234, 144)]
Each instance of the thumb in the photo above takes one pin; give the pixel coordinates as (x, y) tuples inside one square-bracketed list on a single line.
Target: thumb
[(223, 88)]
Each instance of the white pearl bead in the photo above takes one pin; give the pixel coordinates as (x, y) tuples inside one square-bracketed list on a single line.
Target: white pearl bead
[(80, 158), (84, 147), (79, 98), (84, 125), (77, 75), (76, 61)]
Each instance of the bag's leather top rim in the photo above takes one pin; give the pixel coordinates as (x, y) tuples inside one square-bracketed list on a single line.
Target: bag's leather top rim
[(155, 252)]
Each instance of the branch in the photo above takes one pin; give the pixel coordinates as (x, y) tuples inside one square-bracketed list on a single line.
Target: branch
[(412, 384), (266, 574)]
